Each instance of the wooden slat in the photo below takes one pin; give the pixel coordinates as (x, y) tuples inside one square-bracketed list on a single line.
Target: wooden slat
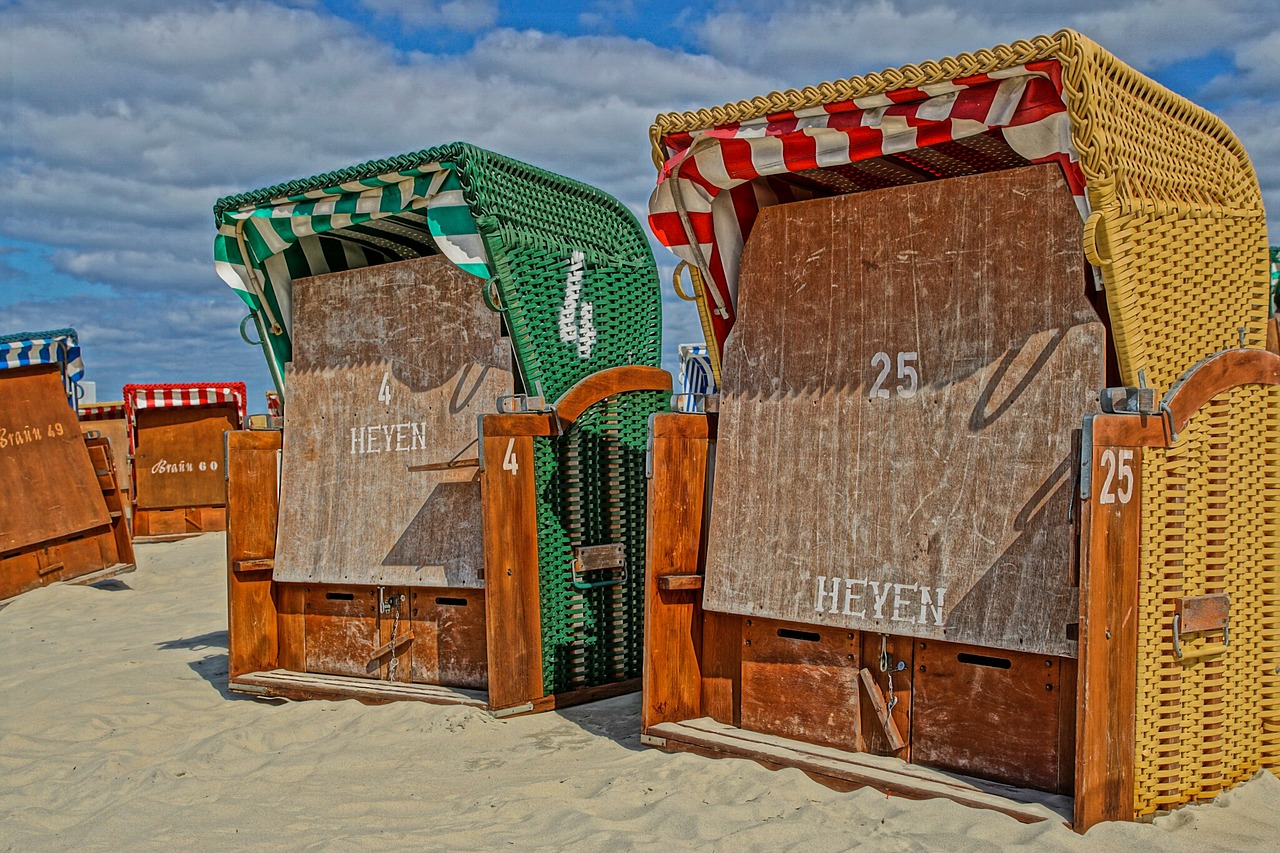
[(514, 622), (47, 486), (897, 413), (296, 685), (885, 774), (1110, 537), (679, 582), (391, 366), (673, 617)]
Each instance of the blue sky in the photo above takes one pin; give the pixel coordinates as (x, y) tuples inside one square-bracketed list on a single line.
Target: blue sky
[(121, 122)]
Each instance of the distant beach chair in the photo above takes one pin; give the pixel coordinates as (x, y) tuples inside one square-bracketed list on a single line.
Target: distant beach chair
[(61, 516), (176, 436)]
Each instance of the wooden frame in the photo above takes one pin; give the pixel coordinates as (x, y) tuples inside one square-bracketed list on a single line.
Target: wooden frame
[(274, 625), (693, 672)]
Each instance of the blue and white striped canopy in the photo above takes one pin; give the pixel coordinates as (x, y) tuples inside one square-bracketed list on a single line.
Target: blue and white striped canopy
[(56, 346)]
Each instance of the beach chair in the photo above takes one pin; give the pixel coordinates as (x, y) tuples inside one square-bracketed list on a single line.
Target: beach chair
[(61, 514), (408, 554), (993, 514), (176, 434)]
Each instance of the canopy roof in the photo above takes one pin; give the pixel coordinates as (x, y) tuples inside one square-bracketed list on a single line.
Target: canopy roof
[(1130, 150), (486, 213), (182, 394), (56, 346)]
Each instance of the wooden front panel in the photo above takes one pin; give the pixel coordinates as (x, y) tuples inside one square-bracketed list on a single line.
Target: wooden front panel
[(989, 713), (47, 485), (801, 681), (391, 365), (178, 456), (901, 397), (253, 465), (449, 638), (514, 626), (352, 630)]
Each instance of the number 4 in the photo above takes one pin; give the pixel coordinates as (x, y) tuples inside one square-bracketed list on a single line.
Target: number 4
[(509, 462)]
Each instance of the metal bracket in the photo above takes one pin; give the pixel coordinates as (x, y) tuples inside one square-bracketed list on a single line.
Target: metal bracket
[(1128, 400), (595, 558), (1086, 457), (653, 740), (522, 404), (513, 710)]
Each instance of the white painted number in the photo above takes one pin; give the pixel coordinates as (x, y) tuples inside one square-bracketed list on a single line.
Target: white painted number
[(577, 321), (509, 462), (384, 392), (907, 373), (1121, 470)]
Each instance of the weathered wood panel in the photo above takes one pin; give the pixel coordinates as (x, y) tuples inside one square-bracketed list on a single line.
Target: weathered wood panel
[(900, 397), (178, 456), (47, 486), (449, 638), (391, 365), (116, 431), (987, 713), (801, 683)]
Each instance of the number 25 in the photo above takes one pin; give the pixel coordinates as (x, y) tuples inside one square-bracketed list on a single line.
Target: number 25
[(1121, 470), (906, 371)]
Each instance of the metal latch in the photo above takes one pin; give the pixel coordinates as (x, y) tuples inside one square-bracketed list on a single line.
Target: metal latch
[(598, 558), (1128, 400)]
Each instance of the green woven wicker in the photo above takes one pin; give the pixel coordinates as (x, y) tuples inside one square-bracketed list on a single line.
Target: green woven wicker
[(535, 229)]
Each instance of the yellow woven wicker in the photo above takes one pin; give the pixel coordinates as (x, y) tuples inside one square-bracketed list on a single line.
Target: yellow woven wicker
[(1210, 526), (1177, 224)]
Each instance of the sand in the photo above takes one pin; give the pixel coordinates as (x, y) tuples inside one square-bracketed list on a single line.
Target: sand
[(117, 733)]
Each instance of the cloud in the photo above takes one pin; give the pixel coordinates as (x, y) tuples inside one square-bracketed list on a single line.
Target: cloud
[(464, 15)]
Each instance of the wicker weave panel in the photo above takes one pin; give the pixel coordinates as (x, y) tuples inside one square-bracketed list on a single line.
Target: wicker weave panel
[(1209, 526)]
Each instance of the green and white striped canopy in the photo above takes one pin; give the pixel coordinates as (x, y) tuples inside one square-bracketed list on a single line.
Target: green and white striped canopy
[(378, 212)]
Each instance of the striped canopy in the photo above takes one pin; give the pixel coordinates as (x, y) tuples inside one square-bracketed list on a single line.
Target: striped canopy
[(713, 182), (380, 211), (57, 346), (695, 374), (180, 394), (102, 411)]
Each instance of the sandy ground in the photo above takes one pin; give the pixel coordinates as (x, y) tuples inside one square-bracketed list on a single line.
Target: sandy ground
[(117, 733)]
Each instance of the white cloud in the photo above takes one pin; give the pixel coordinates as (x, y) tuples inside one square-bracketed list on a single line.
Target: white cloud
[(465, 15), (128, 119)]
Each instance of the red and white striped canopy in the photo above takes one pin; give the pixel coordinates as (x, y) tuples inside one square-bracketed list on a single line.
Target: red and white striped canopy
[(714, 182), (102, 411), (183, 394)]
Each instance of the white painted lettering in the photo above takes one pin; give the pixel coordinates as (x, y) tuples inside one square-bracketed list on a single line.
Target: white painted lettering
[(880, 597), (419, 437), (372, 446), (936, 610), (822, 594), (357, 440), (400, 436), (849, 596), (899, 602)]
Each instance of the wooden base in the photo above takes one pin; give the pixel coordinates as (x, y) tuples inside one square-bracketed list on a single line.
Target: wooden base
[(82, 559), (167, 525), (848, 770), (284, 684)]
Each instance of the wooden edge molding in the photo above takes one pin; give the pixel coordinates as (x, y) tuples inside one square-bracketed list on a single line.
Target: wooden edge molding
[(680, 425), (606, 383), (525, 423), (254, 439), (1204, 381)]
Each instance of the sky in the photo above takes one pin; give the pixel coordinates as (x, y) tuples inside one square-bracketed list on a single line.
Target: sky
[(122, 121)]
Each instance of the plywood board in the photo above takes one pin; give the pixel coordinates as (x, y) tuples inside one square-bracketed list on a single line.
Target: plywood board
[(391, 366), (178, 456), (47, 485), (899, 410)]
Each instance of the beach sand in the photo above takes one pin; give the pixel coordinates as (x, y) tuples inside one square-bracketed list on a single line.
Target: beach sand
[(117, 733)]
